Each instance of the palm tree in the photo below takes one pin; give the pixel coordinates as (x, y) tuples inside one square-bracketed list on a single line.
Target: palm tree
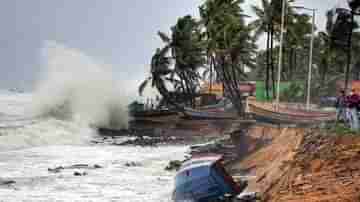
[(354, 4), (356, 60), (298, 29), (276, 7), (185, 50), (326, 55), (159, 69), (229, 44), (268, 21), (263, 25), (342, 32)]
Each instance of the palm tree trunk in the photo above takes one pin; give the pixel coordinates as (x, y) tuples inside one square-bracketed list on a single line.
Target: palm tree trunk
[(295, 61), (291, 63), (267, 77), (272, 61), (164, 92), (184, 86), (211, 75), (229, 83), (188, 94), (324, 70)]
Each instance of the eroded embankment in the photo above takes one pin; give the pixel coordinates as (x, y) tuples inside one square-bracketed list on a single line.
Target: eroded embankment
[(267, 151), (294, 164)]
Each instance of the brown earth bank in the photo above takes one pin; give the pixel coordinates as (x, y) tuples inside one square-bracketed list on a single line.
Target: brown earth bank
[(296, 164)]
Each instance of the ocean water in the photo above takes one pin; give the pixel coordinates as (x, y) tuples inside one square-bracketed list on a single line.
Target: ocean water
[(30, 144)]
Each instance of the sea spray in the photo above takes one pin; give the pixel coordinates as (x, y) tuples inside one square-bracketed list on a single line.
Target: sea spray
[(75, 87)]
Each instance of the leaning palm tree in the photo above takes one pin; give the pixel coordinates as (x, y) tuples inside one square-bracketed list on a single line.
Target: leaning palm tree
[(187, 52), (229, 45), (159, 69)]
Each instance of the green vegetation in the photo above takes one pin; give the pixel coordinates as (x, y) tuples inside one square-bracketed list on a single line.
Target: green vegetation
[(222, 44), (341, 129), (229, 45), (261, 94)]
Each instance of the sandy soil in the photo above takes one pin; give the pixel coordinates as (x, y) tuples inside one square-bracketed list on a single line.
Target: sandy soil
[(297, 165), (325, 168)]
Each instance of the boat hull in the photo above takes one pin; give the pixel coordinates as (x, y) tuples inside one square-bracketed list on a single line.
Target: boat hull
[(268, 113), (207, 114)]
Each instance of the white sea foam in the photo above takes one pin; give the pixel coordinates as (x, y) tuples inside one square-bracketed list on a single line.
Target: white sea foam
[(114, 182), (73, 93), (74, 86)]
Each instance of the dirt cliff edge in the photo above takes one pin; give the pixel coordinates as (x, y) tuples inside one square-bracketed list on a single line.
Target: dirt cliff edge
[(295, 164)]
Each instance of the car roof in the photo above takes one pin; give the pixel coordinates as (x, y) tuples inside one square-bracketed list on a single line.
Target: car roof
[(200, 161)]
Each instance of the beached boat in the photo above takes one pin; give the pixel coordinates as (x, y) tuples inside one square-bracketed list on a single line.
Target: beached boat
[(153, 113), (270, 113), (204, 179), (213, 114), (222, 104)]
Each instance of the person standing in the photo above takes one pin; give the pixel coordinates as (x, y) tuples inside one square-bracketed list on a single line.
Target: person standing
[(341, 106), (353, 101)]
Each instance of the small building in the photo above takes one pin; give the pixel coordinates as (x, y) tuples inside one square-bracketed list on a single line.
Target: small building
[(247, 88)]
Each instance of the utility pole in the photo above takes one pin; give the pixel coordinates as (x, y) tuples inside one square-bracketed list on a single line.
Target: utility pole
[(310, 61), (280, 53), (349, 55)]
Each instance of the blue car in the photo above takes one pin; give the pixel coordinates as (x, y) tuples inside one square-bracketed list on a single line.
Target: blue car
[(204, 179)]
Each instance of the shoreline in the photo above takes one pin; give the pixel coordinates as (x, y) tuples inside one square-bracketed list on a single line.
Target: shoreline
[(270, 157)]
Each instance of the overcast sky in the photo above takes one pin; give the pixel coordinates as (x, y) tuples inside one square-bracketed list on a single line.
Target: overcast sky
[(118, 32)]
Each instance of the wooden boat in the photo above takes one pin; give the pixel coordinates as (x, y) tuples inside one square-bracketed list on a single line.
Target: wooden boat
[(213, 114), (155, 117), (113, 132), (153, 113), (204, 179), (270, 113), (220, 105)]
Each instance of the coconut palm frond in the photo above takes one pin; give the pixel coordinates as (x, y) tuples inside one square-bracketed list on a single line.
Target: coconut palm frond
[(143, 85), (164, 37)]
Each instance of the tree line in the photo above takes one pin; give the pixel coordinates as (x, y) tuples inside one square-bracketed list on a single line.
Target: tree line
[(222, 44)]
